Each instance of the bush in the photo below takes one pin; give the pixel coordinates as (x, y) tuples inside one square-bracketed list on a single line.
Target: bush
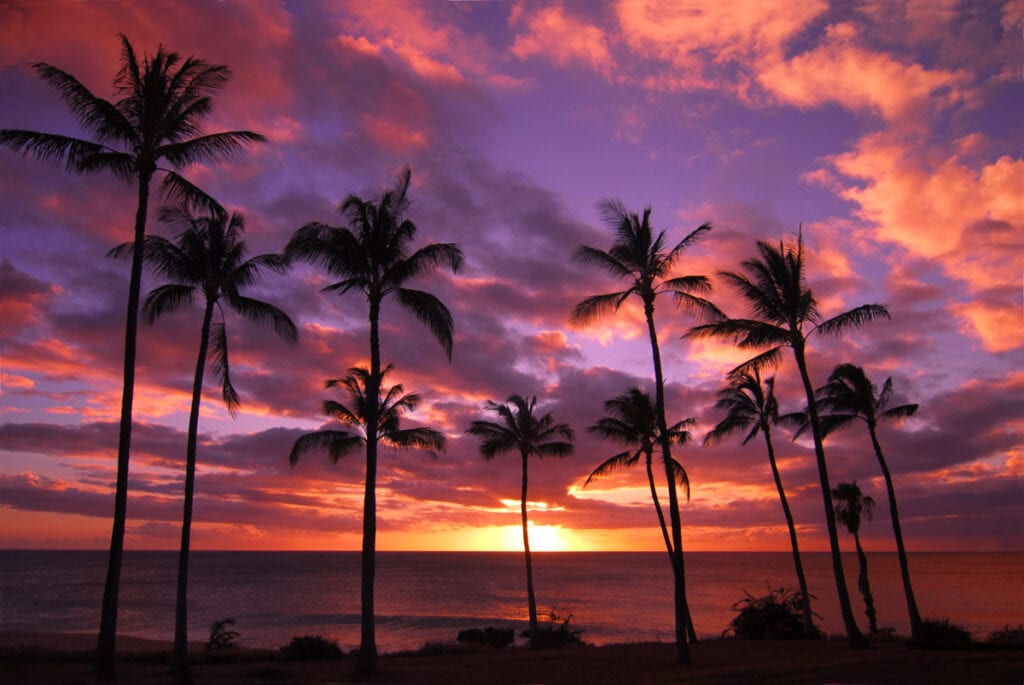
[(554, 634), (779, 615), (311, 648), (1008, 635), (943, 630), (221, 637), (490, 636)]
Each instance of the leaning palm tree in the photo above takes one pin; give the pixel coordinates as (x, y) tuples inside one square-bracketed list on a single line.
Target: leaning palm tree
[(786, 315), (642, 258), (751, 406), (518, 428), (207, 260), (847, 396), (851, 504), (156, 117), (632, 421), (373, 255)]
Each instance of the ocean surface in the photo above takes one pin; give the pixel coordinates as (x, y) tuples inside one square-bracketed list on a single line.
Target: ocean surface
[(430, 596)]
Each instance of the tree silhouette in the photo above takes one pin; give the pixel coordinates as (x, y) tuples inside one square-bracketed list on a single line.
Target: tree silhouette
[(786, 315), (372, 255), (518, 428), (641, 257), (851, 504), (157, 117)]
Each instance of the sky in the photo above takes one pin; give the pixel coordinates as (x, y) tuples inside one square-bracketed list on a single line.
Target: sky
[(891, 132)]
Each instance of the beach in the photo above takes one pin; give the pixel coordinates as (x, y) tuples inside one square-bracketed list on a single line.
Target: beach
[(45, 658)]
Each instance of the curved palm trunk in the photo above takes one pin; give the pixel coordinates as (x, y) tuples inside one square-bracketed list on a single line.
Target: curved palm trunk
[(682, 610), (657, 508), (915, 617), (531, 599), (798, 565), (853, 634), (179, 656), (103, 666), (367, 661), (865, 586)]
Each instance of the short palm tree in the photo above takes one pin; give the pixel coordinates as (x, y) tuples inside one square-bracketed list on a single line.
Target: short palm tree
[(786, 314), (848, 396), (207, 261), (632, 421), (157, 117), (851, 505), (373, 255), (518, 428), (640, 257), (750, 405)]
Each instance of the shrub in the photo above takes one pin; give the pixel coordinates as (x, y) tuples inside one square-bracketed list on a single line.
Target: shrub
[(490, 636), (943, 630), (311, 648), (221, 637), (779, 615), (554, 634), (1008, 635)]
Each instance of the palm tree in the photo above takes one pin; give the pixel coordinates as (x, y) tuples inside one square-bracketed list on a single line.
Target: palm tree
[(847, 396), (751, 406), (518, 428), (373, 255), (632, 421), (642, 259), (157, 116), (850, 505), (207, 260), (787, 314)]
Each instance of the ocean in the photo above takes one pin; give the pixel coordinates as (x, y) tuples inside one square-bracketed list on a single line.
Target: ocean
[(430, 596)]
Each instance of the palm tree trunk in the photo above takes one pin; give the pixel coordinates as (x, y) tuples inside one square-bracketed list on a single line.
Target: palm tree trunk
[(103, 666), (797, 564), (657, 508), (367, 660), (683, 623), (531, 599), (179, 656), (915, 617), (853, 634), (865, 586)]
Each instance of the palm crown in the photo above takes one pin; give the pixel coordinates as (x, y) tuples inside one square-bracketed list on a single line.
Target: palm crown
[(852, 506), (748, 404), (519, 429), (849, 395)]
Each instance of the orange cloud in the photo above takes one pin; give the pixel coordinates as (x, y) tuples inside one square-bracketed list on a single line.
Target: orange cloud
[(551, 32)]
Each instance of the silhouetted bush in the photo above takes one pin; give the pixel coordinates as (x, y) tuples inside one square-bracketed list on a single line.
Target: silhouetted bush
[(490, 636), (943, 630), (221, 637), (311, 648), (1008, 635), (554, 634), (779, 615)]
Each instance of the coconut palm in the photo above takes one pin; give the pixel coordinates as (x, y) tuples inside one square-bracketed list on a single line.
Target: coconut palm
[(848, 396), (156, 117), (632, 421), (851, 505), (518, 428), (373, 255), (751, 406), (786, 315), (642, 258), (207, 260)]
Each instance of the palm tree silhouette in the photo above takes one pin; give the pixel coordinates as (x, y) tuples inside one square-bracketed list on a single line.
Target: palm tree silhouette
[(751, 406), (517, 428), (372, 255), (641, 258), (851, 504), (847, 396), (207, 260), (787, 314), (633, 421), (157, 116)]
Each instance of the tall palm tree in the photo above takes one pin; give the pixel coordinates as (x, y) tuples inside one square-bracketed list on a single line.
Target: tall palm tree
[(518, 428), (373, 255), (207, 260), (632, 421), (156, 117), (847, 396), (642, 258), (786, 315), (751, 406), (851, 504)]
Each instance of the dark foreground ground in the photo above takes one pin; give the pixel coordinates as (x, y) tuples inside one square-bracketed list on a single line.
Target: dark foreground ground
[(42, 659)]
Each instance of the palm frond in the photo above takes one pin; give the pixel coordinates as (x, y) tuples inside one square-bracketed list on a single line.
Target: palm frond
[(597, 306), (167, 299), (178, 191), (854, 318), (609, 465), (431, 312), (222, 366), (901, 412), (337, 443), (591, 256), (263, 312), (208, 147)]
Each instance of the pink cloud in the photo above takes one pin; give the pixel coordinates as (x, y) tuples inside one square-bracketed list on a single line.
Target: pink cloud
[(552, 33)]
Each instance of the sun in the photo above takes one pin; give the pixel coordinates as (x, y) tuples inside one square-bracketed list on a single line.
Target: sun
[(542, 538)]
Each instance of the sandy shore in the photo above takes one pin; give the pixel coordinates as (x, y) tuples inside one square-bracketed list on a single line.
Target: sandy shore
[(43, 658)]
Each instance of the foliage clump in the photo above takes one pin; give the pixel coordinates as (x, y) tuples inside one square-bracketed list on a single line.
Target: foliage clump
[(489, 636), (776, 616), (222, 637), (943, 630), (1008, 635), (311, 648), (555, 633)]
